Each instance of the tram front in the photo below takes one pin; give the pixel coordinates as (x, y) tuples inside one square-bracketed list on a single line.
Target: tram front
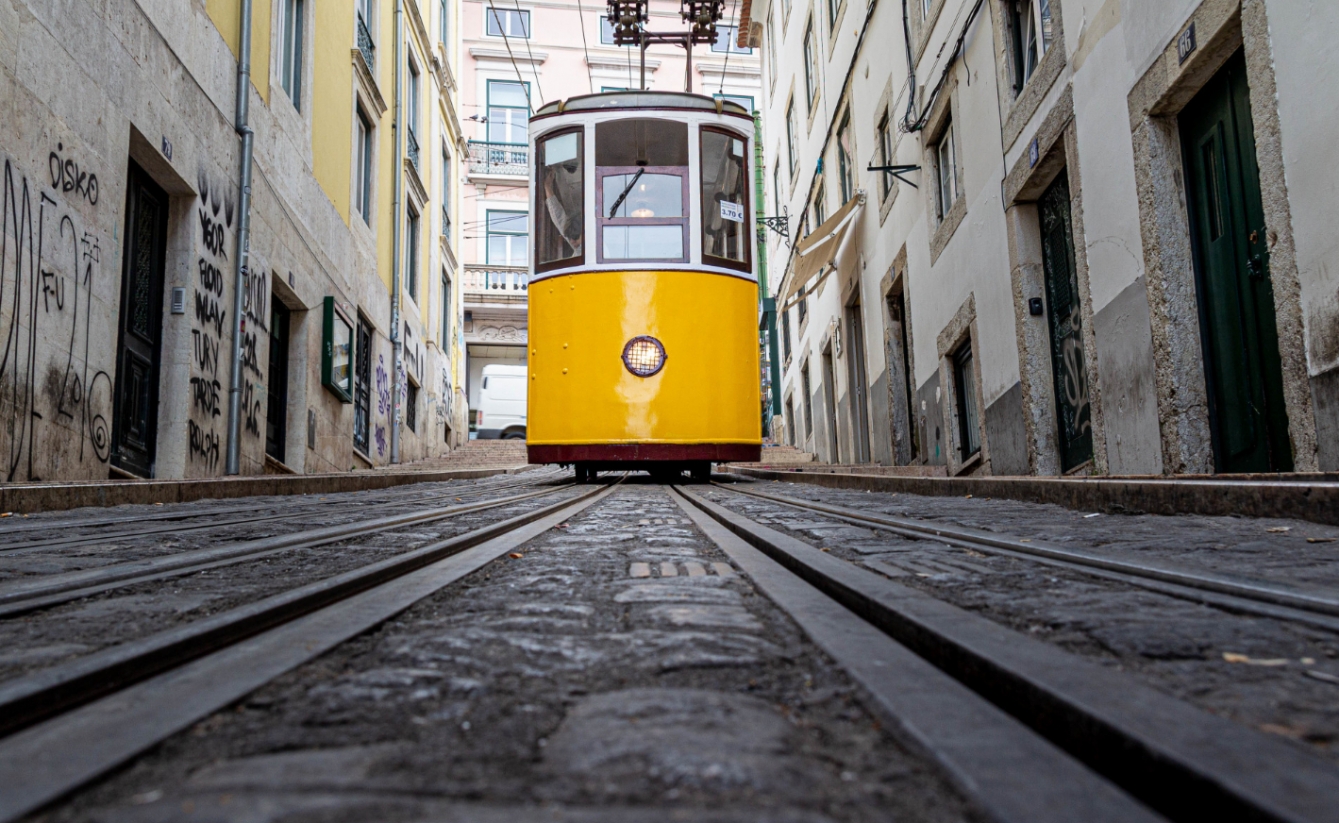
[(643, 299)]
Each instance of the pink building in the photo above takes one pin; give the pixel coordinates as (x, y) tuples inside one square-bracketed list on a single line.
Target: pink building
[(516, 57)]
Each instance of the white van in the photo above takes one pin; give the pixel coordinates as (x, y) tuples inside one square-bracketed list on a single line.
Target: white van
[(501, 412)]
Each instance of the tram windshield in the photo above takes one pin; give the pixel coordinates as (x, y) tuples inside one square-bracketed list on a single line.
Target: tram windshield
[(724, 199), (641, 168), (560, 184)]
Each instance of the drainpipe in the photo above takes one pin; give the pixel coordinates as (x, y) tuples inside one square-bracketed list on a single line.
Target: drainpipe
[(398, 176), (243, 240), (768, 303)]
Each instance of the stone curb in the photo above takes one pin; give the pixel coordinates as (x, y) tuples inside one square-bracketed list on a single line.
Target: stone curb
[(28, 498), (1301, 499)]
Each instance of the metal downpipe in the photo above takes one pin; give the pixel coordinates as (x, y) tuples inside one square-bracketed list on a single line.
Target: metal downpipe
[(231, 461), (398, 177)]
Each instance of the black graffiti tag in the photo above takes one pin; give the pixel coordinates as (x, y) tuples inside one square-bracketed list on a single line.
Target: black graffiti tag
[(66, 177)]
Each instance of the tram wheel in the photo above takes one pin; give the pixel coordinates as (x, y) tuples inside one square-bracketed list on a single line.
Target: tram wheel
[(701, 472)]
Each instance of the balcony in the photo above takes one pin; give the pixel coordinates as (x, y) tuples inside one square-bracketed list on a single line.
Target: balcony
[(366, 46), (497, 281), (446, 222), (507, 159)]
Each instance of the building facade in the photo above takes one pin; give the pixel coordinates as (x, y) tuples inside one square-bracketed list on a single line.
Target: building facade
[(516, 58), (120, 259), (1054, 236)]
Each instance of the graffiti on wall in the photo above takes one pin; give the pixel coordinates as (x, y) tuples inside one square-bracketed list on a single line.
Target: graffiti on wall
[(215, 214), (55, 396)]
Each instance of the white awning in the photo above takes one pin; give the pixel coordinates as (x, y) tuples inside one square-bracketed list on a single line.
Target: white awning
[(817, 252)]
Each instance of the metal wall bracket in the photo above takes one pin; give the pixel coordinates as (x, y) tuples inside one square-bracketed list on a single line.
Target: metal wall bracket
[(897, 171), (779, 224)]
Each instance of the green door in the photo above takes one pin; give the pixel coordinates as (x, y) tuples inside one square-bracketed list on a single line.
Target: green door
[(1236, 301), (1066, 326)]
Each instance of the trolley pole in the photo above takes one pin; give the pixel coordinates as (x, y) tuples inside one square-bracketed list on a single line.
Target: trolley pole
[(767, 303)]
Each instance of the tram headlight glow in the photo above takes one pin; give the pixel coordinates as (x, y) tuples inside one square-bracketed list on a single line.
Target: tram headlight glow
[(644, 355)]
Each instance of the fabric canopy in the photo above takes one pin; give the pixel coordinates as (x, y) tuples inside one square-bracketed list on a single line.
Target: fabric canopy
[(817, 251)]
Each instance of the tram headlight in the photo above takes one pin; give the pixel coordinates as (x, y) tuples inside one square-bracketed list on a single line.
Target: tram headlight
[(644, 355)]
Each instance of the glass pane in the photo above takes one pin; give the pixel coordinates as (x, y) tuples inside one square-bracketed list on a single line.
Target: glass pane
[(560, 188), (643, 242), (494, 24), (508, 221), (506, 93), (648, 195), (341, 360), (641, 143), (724, 205)]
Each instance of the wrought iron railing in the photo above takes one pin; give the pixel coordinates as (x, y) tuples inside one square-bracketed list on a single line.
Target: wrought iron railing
[(446, 222), (412, 146), (510, 279), (499, 158), (366, 46)]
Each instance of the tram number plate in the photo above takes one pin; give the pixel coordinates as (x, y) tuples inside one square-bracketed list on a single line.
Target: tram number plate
[(732, 211)]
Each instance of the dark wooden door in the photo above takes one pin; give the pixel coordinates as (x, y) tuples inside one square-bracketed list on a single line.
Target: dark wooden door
[(276, 412), (830, 406), (855, 353), (1065, 321), (135, 418), (1236, 300), (362, 389)]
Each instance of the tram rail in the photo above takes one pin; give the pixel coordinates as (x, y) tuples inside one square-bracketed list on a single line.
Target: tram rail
[(1182, 761), (1258, 597), (71, 723), (29, 594), (289, 510)]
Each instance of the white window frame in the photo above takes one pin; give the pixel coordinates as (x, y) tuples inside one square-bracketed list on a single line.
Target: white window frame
[(364, 163), (504, 18), (946, 170), (292, 33)]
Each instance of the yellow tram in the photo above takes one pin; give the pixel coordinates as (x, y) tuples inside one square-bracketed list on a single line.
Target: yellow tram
[(643, 294)]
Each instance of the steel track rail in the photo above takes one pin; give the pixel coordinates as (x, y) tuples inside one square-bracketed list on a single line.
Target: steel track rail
[(1011, 772), (170, 681), (294, 510), (1296, 604), (26, 595), (1181, 761), (28, 699)]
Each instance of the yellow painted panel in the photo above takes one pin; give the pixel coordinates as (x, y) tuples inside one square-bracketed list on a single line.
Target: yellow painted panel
[(580, 392), (332, 102), (227, 17)]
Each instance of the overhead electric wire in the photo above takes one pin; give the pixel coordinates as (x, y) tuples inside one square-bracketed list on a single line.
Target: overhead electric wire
[(507, 42), (581, 14), (728, 46), (524, 27), (928, 104)]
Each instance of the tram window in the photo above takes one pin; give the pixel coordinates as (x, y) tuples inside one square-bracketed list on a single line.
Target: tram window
[(560, 211), (725, 236), (642, 190), (641, 143)]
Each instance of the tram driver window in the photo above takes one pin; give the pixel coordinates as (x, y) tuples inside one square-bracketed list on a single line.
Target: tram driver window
[(559, 189), (641, 190)]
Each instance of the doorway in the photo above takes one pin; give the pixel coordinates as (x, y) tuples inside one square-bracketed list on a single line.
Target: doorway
[(1243, 373), (276, 412), (362, 388), (135, 418), (855, 362), (830, 405), (905, 441), (1065, 323)]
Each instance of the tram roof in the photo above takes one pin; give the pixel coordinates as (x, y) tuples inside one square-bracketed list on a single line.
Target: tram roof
[(642, 100)]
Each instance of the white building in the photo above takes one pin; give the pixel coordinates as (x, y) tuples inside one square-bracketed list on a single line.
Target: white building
[(1106, 251)]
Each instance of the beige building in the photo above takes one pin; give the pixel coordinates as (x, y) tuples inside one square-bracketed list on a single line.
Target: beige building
[(1094, 240), (127, 291)]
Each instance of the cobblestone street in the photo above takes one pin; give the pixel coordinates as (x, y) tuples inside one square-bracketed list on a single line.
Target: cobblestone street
[(609, 653)]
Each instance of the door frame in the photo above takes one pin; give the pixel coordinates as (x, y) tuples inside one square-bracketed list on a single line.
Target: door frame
[(1155, 101)]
